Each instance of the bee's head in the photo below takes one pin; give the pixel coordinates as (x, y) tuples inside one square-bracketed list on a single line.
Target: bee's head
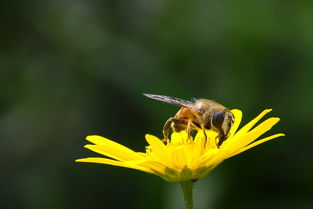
[(222, 121)]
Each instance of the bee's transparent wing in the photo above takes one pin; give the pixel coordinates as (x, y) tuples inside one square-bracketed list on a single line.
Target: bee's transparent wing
[(171, 100)]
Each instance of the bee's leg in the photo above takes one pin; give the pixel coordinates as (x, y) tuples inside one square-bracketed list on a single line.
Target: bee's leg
[(218, 140), (166, 129), (221, 139), (204, 133), (188, 129), (177, 125)]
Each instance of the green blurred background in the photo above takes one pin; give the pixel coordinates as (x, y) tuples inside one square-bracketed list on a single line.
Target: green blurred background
[(72, 68)]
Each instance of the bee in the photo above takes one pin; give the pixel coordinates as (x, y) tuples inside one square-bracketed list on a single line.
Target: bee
[(200, 114)]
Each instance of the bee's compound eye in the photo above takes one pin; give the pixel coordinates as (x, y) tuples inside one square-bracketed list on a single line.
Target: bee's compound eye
[(218, 119)]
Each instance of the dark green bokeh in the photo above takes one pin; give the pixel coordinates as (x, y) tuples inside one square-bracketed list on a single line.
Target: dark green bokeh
[(74, 68)]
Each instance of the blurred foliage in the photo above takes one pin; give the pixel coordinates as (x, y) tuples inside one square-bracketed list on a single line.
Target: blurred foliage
[(71, 68)]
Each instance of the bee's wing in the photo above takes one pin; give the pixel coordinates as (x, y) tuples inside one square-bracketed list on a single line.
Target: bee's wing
[(171, 100)]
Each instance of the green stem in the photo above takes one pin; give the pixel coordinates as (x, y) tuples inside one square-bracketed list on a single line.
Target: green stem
[(187, 190)]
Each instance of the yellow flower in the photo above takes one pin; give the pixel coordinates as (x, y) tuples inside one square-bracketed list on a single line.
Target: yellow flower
[(183, 158)]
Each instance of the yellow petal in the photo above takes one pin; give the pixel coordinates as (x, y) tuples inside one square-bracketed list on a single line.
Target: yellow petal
[(112, 162), (238, 116), (237, 142), (211, 158), (155, 167), (99, 140), (155, 143), (179, 137), (257, 143), (249, 125), (260, 129), (181, 157), (159, 150), (114, 152)]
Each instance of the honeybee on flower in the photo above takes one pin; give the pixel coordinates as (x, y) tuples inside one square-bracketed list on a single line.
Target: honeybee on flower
[(184, 157)]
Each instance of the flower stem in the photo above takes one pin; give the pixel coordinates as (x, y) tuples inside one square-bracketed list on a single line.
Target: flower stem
[(187, 190)]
